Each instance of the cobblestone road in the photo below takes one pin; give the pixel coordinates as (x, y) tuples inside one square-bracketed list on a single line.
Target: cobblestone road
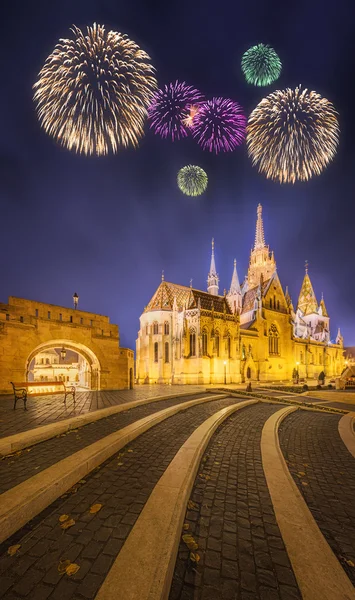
[(242, 554), (43, 410), (122, 485), (21, 465), (324, 472)]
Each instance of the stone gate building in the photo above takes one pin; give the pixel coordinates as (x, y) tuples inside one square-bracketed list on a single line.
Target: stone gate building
[(28, 328)]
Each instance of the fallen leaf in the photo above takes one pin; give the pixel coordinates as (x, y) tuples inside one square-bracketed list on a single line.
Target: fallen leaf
[(95, 508), (13, 549), (68, 524), (72, 569), (189, 541), (63, 565), (63, 518), (194, 557), (186, 526)]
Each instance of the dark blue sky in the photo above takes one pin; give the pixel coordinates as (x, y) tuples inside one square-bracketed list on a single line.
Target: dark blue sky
[(106, 227)]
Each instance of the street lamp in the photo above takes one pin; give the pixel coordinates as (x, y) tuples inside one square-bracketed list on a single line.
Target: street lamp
[(75, 300), (225, 371), (63, 353)]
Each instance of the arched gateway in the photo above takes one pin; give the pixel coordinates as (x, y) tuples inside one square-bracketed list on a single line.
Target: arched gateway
[(29, 329)]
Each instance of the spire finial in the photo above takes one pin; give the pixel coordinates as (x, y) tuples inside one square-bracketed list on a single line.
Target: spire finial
[(191, 282), (162, 275), (259, 232), (235, 262), (322, 298), (306, 264), (212, 244), (212, 279)]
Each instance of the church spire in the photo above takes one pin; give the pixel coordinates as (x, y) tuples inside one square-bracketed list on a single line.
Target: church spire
[(307, 301), (212, 279), (234, 296), (322, 308), (259, 231)]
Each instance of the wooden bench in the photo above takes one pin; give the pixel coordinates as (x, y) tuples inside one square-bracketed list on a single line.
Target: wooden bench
[(33, 388)]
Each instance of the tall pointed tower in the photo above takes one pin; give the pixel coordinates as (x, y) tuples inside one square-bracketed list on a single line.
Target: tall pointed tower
[(234, 296), (307, 301), (212, 279), (261, 261)]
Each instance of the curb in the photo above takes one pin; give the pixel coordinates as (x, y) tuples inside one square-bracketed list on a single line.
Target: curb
[(317, 570), (346, 431), (19, 441), (26, 500), (145, 565)]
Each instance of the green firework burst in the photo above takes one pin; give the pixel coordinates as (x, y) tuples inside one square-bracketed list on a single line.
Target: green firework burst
[(261, 65), (192, 180)]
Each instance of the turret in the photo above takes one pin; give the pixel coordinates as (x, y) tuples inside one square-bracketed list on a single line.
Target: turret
[(261, 261), (212, 279), (234, 296)]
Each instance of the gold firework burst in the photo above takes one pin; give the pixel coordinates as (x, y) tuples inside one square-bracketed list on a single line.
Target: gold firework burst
[(93, 91)]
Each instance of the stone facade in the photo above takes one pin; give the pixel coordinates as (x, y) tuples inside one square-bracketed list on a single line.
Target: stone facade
[(28, 327), (251, 333)]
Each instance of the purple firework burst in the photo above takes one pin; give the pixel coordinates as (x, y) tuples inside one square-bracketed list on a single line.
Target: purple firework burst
[(219, 125), (169, 111)]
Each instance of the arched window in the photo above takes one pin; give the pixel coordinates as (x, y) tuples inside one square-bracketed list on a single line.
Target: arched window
[(47, 361), (155, 351), (248, 373), (243, 352), (166, 328), (229, 346), (274, 301), (216, 341), (146, 330), (278, 305), (155, 328), (166, 353), (274, 340), (204, 343), (192, 343), (270, 302)]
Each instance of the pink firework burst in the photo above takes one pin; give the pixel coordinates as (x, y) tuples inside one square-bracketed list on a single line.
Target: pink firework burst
[(170, 110), (219, 125)]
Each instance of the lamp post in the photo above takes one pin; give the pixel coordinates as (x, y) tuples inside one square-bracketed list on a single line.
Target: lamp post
[(225, 371), (63, 353), (75, 300)]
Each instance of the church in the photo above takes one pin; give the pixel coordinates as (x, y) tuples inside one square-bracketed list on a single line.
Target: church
[(252, 333)]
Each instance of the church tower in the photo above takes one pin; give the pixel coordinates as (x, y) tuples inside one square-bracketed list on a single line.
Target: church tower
[(307, 301), (261, 261), (212, 279), (234, 296)]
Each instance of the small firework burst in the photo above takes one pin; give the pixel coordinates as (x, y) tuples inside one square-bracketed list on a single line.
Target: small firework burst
[(170, 110), (93, 91), (219, 125), (292, 135), (261, 65), (192, 180)]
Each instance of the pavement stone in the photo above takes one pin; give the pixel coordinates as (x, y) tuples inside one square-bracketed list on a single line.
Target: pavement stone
[(42, 410), (121, 485), (324, 472), (233, 521), (23, 464)]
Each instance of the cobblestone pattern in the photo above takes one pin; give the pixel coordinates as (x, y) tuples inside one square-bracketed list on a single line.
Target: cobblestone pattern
[(324, 472), (242, 554), (43, 410), (122, 485), (22, 465), (341, 405)]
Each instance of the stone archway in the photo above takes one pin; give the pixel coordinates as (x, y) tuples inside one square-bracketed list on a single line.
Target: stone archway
[(81, 349), (250, 370)]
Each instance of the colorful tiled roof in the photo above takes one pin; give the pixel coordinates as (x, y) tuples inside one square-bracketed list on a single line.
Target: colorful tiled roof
[(186, 297)]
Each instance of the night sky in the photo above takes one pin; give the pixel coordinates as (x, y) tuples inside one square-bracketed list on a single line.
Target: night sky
[(106, 227)]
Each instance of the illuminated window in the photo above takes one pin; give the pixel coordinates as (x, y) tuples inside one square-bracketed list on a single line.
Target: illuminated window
[(166, 352), (192, 344), (155, 351), (49, 314), (166, 328), (274, 340), (36, 312), (204, 343)]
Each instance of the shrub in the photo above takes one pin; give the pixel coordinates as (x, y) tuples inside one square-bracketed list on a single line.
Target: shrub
[(305, 387)]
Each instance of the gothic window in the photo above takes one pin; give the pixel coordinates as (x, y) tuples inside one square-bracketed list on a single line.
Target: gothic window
[(192, 343), (166, 328), (243, 352), (71, 319), (36, 312), (166, 352), (301, 358), (274, 340), (216, 341), (204, 343), (146, 330), (248, 373), (60, 317), (274, 302), (270, 302), (49, 314), (47, 361), (155, 328), (278, 305), (156, 352), (228, 346), (21, 319)]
